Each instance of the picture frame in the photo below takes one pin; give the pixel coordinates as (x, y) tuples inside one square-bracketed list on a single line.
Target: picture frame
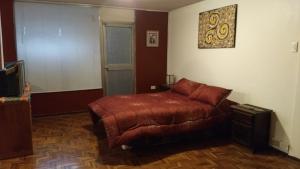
[(217, 28), (152, 39)]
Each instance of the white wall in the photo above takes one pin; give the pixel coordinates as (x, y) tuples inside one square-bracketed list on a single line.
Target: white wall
[(117, 15), (260, 69)]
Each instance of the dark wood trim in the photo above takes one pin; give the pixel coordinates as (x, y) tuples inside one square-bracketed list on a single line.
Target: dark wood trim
[(55, 103), (16, 154), (60, 114), (284, 153), (294, 158)]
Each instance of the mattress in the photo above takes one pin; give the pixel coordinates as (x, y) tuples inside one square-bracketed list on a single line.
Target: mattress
[(129, 117)]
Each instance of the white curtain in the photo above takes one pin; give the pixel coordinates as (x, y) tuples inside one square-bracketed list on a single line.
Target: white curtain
[(60, 45)]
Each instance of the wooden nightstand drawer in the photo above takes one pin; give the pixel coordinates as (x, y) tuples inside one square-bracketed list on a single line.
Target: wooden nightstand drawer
[(242, 133), (243, 117)]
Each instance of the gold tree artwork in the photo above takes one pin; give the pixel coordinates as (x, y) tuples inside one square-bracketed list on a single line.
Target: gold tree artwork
[(217, 28)]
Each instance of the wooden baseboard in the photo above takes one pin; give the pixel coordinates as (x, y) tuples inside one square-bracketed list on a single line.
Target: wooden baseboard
[(44, 104), (59, 114), (283, 153), (15, 154)]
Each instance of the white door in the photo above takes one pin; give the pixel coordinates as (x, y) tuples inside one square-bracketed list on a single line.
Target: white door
[(118, 59)]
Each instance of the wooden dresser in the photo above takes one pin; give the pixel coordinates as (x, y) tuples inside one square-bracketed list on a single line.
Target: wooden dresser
[(251, 126), (15, 126)]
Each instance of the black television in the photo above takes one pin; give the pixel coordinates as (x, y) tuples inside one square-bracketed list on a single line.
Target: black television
[(12, 79)]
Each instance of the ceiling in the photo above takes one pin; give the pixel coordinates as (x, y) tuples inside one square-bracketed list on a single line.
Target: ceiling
[(156, 5)]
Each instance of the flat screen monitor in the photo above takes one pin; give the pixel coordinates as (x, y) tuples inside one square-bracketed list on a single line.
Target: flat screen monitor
[(12, 79)]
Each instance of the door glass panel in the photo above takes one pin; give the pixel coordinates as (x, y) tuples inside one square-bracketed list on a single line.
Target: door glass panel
[(119, 82), (119, 66), (119, 45)]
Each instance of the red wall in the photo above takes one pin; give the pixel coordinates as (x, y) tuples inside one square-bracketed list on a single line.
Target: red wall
[(45, 103), (8, 30), (63, 102), (151, 63)]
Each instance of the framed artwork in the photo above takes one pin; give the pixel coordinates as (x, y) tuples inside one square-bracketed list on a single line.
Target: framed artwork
[(152, 39), (217, 28)]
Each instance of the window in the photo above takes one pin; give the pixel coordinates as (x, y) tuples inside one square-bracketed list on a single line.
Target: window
[(60, 45)]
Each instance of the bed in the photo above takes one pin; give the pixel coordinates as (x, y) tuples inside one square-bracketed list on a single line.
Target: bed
[(130, 117)]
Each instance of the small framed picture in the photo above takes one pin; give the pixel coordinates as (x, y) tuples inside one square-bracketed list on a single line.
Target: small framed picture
[(152, 39)]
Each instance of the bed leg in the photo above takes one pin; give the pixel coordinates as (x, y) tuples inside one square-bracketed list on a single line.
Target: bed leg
[(94, 118)]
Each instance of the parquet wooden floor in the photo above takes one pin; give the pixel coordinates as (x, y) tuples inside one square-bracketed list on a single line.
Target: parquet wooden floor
[(67, 142)]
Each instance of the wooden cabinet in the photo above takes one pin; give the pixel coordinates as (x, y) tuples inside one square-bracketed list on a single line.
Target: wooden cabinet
[(251, 126), (15, 126)]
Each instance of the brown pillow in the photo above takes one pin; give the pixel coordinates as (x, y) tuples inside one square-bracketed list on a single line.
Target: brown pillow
[(210, 94), (185, 86)]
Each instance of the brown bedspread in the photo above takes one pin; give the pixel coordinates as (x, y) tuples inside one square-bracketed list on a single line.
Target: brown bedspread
[(128, 117)]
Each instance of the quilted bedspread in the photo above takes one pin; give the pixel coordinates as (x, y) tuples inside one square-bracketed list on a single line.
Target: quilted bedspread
[(128, 117)]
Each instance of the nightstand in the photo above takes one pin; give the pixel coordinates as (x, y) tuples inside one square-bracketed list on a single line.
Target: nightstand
[(251, 126)]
